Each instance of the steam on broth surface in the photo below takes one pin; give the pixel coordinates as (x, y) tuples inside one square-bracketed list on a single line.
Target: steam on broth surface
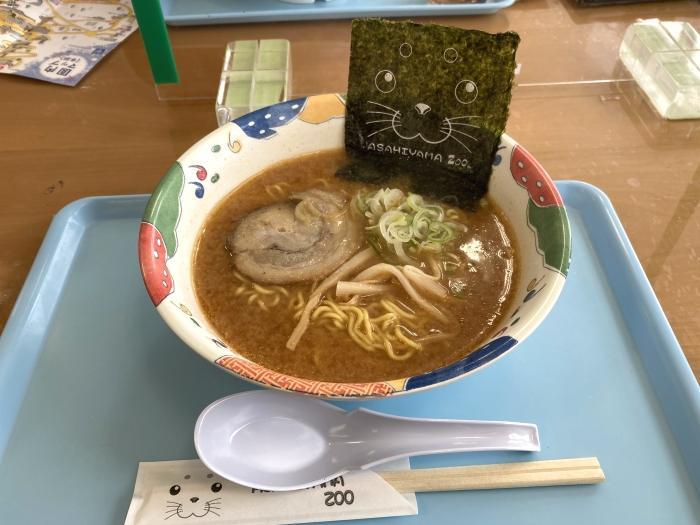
[(327, 279)]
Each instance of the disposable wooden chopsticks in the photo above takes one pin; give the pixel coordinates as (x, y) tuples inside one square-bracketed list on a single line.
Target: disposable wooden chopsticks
[(577, 471)]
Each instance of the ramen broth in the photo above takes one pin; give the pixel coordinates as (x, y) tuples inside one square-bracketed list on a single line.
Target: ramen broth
[(461, 262)]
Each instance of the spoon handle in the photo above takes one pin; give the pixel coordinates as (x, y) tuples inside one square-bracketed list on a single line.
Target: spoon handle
[(391, 436), (576, 471)]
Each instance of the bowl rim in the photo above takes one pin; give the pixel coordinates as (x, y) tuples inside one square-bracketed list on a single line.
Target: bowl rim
[(374, 389)]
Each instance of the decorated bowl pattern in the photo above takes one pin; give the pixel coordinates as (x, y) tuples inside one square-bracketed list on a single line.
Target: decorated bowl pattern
[(228, 156)]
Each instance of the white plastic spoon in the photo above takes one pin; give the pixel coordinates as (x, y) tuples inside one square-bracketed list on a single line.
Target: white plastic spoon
[(277, 441)]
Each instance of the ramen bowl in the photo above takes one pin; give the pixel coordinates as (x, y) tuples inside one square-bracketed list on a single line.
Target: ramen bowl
[(226, 158)]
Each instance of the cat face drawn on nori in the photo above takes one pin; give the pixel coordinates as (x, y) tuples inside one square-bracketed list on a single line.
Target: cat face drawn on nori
[(432, 98), (424, 124)]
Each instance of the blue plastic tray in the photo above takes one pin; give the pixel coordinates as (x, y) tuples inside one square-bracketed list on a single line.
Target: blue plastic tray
[(196, 12), (92, 381)]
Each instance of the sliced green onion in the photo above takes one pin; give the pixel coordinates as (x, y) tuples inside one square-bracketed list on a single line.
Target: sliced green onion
[(402, 223)]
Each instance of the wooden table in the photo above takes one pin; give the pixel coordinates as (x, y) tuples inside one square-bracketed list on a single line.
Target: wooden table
[(575, 109)]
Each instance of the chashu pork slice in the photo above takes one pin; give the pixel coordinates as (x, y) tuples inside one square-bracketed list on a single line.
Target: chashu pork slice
[(302, 239)]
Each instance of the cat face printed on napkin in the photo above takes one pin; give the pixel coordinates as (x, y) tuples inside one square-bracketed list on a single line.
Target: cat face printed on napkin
[(193, 496), (433, 98), (178, 491)]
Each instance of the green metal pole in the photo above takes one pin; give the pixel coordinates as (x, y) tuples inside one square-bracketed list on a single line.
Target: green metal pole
[(154, 32)]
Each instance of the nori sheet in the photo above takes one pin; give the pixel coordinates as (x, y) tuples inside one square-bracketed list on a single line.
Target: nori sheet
[(427, 101)]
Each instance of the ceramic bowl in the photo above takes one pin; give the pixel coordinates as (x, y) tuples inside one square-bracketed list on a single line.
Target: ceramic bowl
[(224, 159)]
